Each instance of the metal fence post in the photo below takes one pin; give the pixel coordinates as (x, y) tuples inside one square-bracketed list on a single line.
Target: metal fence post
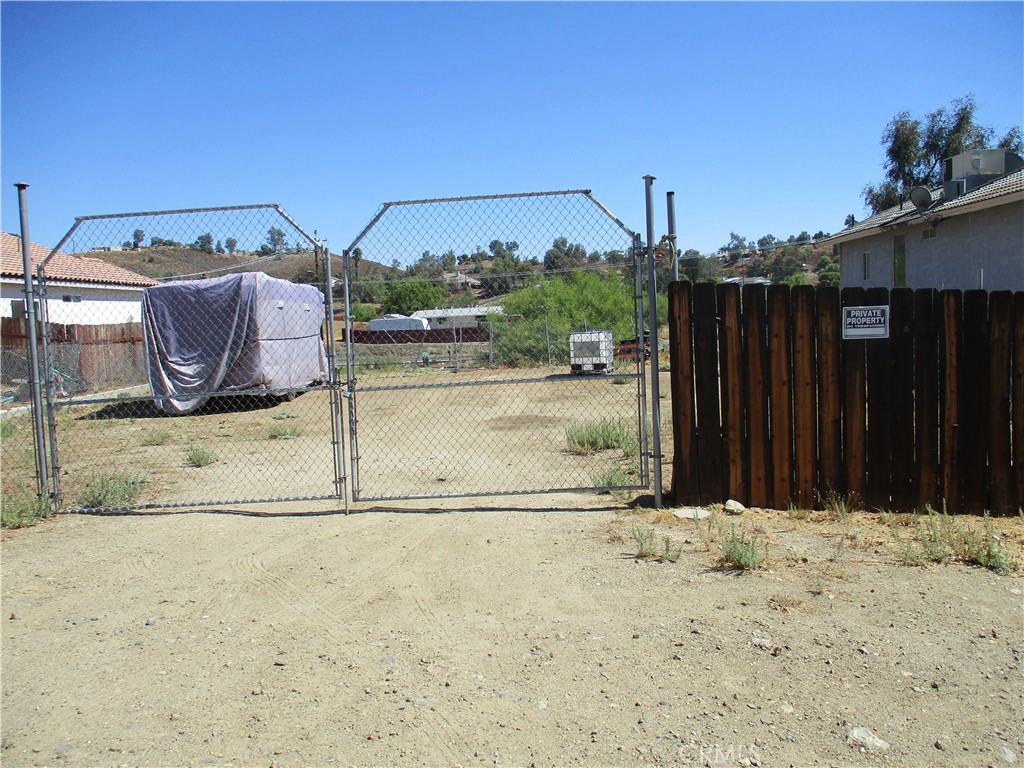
[(652, 314), (670, 198), (42, 478)]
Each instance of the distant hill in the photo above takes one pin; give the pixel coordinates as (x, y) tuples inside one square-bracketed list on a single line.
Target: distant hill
[(163, 262)]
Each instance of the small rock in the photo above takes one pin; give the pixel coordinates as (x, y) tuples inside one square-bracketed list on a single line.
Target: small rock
[(761, 642), (733, 507), (14, 617), (151, 621), (691, 513), (863, 737), (1006, 754)]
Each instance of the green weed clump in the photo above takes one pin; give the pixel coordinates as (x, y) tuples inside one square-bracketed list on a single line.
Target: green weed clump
[(939, 537), (155, 437), (7, 428), (20, 508), (279, 431), (648, 548), (117, 490), (599, 435), (199, 456), (743, 552)]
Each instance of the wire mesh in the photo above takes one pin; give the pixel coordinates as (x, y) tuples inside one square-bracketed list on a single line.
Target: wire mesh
[(485, 338), (187, 356)]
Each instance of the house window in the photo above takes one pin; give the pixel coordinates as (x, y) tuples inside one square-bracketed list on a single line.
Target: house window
[(866, 259), (68, 298), (899, 261), (928, 234)]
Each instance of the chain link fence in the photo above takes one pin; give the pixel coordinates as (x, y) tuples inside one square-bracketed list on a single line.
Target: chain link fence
[(492, 347), (189, 358)]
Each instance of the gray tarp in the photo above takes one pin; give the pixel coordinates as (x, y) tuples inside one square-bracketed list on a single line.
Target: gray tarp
[(239, 332)]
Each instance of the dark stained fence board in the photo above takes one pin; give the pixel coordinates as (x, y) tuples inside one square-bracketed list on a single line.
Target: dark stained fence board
[(879, 459), (926, 398), (755, 384), (731, 357), (973, 375), (901, 387), (780, 394), (854, 405), (952, 310), (706, 381), (805, 404), (830, 395), (774, 407), (684, 425), (1000, 334), (1017, 405)]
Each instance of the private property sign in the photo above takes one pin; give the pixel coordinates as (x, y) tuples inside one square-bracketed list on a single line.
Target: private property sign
[(866, 322)]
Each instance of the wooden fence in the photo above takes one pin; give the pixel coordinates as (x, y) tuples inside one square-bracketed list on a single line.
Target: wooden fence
[(771, 406), (85, 357)]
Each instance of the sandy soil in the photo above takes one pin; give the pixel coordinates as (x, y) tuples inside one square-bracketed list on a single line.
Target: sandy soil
[(502, 636)]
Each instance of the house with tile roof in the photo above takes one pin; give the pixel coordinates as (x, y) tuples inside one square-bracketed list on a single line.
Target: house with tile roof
[(80, 290), (967, 233)]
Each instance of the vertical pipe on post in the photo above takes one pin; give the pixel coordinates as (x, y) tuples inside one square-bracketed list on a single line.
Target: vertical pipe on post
[(340, 479), (652, 315), (638, 295), (670, 199), (42, 478)]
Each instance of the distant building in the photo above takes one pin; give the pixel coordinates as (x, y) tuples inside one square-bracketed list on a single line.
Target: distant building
[(458, 317), (968, 233), (80, 290)]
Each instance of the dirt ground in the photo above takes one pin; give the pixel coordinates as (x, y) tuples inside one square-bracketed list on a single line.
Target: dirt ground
[(503, 632)]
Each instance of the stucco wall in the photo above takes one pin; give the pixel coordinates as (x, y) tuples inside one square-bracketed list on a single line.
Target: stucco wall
[(985, 246), (96, 306)]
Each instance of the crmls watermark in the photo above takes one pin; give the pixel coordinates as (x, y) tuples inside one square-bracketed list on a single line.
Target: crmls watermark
[(720, 754)]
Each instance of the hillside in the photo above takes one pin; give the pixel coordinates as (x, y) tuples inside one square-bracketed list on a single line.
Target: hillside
[(165, 262)]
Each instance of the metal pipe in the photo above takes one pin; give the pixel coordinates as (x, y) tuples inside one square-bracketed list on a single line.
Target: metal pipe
[(42, 478), (652, 314), (670, 198), (340, 479)]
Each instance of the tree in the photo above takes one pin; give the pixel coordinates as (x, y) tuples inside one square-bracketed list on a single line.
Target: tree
[(561, 255), (357, 259), (137, 237), (736, 245), (275, 239), (204, 243), (231, 244), (219, 248), (850, 220), (404, 298), (828, 271), (915, 149)]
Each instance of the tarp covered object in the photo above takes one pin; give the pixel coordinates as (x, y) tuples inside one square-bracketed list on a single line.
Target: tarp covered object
[(248, 331)]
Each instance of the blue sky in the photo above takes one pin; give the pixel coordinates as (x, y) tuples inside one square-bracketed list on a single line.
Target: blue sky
[(762, 117)]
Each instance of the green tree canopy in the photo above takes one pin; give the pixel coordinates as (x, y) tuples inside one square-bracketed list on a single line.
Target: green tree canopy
[(563, 255), (915, 148), (276, 239), (406, 297)]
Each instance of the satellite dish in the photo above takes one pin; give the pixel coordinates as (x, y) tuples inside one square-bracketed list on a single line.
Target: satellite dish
[(921, 198)]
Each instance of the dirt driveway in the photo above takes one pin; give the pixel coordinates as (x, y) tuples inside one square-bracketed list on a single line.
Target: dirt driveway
[(294, 635)]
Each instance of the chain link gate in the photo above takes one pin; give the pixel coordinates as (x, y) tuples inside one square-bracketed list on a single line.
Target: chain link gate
[(253, 318), (493, 346)]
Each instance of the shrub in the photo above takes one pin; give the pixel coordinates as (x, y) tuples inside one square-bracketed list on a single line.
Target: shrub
[(198, 456), (647, 547), (155, 437), (278, 431), (117, 490), (21, 508), (742, 552), (592, 436)]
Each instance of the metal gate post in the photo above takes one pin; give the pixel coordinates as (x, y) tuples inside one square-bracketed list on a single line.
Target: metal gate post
[(42, 478), (670, 201), (335, 401), (350, 381), (652, 312)]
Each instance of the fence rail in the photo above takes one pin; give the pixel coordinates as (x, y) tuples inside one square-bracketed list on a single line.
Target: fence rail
[(771, 406)]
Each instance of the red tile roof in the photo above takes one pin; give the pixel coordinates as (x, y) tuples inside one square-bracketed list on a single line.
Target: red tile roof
[(75, 269)]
